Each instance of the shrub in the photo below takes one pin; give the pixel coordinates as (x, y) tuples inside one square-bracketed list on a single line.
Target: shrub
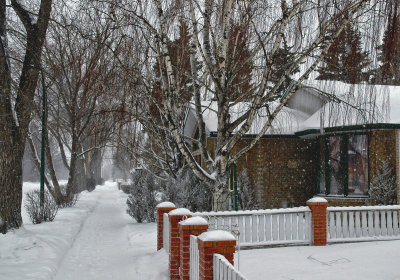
[(126, 188), (142, 200), (383, 187), (246, 194), (35, 212), (90, 184), (3, 228), (188, 191)]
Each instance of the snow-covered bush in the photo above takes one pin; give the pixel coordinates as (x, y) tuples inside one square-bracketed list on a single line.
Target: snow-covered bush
[(32, 206), (90, 184), (142, 200), (383, 187), (187, 191), (246, 194)]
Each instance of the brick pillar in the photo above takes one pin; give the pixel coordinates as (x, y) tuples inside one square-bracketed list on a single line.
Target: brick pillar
[(192, 226), (175, 216), (318, 207), (163, 207), (214, 242)]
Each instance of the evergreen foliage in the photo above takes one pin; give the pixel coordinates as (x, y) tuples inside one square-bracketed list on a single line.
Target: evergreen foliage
[(383, 187), (142, 200), (187, 191), (236, 59), (179, 50), (345, 60), (281, 59), (247, 196), (388, 73)]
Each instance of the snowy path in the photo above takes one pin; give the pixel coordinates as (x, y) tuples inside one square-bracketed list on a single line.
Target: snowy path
[(95, 239), (105, 247)]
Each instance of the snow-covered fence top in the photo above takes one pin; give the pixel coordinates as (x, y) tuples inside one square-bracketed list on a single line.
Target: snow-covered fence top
[(224, 270), (264, 227), (363, 223)]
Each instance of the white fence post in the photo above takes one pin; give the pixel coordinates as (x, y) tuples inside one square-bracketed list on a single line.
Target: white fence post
[(166, 233), (224, 270), (194, 258)]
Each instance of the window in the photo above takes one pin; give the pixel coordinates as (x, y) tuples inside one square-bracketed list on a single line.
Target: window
[(344, 165)]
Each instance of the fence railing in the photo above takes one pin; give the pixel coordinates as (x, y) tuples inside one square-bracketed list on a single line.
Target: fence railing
[(224, 270), (166, 232), (363, 223), (194, 258), (264, 227)]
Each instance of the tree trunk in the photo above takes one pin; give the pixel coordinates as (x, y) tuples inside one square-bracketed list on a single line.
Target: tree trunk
[(71, 185), (10, 184)]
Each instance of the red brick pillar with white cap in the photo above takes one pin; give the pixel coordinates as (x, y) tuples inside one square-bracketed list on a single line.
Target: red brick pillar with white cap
[(214, 242), (192, 226), (163, 207), (319, 221), (175, 216)]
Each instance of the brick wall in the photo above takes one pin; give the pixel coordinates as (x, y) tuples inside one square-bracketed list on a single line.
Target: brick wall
[(383, 147), (283, 170), (346, 201)]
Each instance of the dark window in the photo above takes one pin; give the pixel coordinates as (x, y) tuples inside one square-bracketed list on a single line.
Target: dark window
[(344, 165)]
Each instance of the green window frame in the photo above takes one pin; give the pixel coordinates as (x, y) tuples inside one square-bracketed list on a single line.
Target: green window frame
[(343, 168)]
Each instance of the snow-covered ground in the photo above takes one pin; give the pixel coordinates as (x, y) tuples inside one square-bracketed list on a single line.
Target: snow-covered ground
[(96, 239), (367, 261)]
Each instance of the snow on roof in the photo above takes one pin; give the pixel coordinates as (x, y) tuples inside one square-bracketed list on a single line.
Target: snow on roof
[(194, 221), (165, 204), (378, 104), (180, 212), (288, 120), (217, 235), (341, 104)]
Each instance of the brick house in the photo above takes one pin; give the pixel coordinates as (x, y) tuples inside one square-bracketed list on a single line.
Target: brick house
[(318, 146)]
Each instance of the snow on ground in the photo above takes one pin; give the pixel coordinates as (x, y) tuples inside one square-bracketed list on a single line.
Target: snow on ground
[(365, 260), (95, 239)]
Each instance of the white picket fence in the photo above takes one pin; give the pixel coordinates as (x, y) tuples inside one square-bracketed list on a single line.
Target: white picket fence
[(194, 258), (351, 224), (166, 232), (224, 270), (264, 227), (291, 226)]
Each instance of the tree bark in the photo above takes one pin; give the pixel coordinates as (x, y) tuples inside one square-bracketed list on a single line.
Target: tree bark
[(15, 119)]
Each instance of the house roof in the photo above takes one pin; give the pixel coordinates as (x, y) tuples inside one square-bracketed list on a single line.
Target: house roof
[(288, 120), (359, 104), (330, 105)]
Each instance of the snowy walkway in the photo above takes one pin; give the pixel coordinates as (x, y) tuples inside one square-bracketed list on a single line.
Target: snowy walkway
[(96, 239), (101, 249)]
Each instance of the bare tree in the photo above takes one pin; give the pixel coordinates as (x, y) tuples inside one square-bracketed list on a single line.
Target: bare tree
[(82, 83), (16, 102), (269, 28)]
